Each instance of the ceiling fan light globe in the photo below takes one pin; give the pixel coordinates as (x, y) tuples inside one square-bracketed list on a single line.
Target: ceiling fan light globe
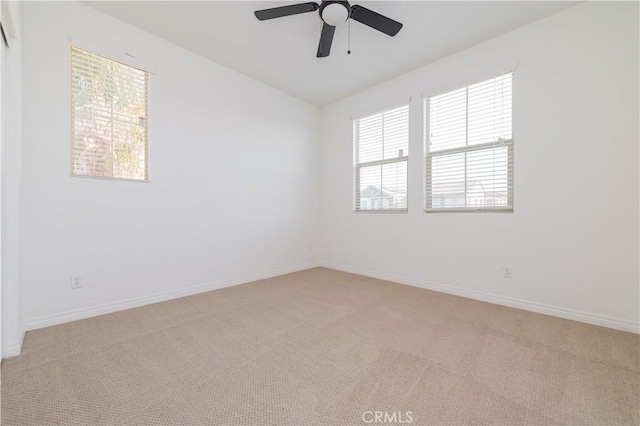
[(335, 14)]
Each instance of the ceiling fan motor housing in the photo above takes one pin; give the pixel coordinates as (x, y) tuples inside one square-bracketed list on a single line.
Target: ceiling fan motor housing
[(334, 12)]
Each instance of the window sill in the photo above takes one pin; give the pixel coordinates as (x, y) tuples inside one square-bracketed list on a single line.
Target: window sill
[(471, 210), (111, 178), (396, 211)]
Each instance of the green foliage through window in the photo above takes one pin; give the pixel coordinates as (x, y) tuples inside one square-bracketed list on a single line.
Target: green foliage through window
[(109, 118)]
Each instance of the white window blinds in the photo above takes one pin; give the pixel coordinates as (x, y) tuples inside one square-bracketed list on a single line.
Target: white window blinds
[(381, 150), (469, 147), (109, 118)]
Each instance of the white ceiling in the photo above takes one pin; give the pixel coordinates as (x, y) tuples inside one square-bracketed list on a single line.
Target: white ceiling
[(282, 52)]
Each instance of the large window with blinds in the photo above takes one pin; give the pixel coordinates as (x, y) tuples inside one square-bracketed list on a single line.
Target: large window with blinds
[(381, 151), (109, 125), (469, 148)]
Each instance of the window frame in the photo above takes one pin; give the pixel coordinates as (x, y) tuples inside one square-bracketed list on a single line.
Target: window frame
[(428, 156), (357, 166), (80, 45)]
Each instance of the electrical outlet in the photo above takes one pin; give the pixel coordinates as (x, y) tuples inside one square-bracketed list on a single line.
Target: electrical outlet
[(507, 271), (76, 281)]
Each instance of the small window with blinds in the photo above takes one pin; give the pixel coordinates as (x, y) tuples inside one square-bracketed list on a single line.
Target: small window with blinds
[(109, 118), (469, 148), (381, 150)]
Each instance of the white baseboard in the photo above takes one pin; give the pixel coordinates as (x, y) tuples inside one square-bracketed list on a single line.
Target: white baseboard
[(587, 317), (78, 314), (14, 348)]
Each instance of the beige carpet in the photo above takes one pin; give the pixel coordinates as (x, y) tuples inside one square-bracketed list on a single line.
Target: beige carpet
[(323, 347)]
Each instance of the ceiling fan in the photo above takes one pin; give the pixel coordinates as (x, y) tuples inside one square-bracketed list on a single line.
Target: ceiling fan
[(334, 13)]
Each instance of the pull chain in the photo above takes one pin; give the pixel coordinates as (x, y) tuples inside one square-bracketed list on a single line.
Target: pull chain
[(349, 37)]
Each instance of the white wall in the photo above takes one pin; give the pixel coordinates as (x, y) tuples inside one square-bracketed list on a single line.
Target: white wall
[(12, 292), (233, 168), (573, 236)]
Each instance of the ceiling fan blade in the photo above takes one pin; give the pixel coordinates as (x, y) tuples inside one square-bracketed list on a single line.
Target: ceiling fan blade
[(326, 38), (375, 20), (279, 12)]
